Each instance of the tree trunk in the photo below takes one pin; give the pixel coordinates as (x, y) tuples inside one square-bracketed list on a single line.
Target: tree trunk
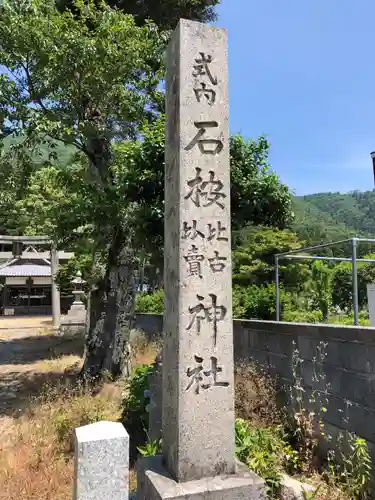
[(112, 312)]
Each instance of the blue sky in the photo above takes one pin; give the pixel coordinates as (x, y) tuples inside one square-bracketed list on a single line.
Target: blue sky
[(303, 72)]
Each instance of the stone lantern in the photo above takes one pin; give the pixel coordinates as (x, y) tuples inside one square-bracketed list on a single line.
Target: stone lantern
[(78, 284), (76, 317)]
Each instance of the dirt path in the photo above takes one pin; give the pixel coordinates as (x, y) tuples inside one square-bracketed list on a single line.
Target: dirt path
[(32, 355)]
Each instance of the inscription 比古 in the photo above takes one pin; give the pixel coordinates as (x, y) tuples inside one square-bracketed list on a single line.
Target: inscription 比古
[(198, 373), (206, 146), (211, 313), (205, 192)]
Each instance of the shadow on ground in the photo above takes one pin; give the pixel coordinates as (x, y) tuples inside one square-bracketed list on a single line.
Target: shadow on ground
[(25, 350), (18, 389), (28, 364)]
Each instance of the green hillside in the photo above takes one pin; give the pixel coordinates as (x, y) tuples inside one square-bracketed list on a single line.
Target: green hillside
[(333, 216)]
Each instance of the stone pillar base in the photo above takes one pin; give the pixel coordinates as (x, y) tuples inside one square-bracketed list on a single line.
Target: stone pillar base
[(155, 483)]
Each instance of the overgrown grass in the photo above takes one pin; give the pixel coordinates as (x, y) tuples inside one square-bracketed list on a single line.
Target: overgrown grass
[(273, 441), (36, 449)]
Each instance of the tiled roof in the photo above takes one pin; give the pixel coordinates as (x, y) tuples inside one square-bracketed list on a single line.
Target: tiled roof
[(23, 270)]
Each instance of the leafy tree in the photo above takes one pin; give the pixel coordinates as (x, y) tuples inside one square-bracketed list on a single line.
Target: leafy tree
[(342, 283), (85, 88), (164, 13), (254, 257), (320, 286), (139, 173), (90, 79)]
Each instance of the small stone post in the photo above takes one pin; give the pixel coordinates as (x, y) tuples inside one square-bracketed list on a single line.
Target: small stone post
[(101, 462), (198, 459)]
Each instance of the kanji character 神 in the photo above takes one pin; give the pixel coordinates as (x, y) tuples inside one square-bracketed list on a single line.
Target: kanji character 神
[(206, 146), (212, 314), (210, 191)]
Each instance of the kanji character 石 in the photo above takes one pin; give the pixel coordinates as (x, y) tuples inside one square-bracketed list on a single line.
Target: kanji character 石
[(202, 67), (212, 314), (207, 191), (194, 261), (206, 146)]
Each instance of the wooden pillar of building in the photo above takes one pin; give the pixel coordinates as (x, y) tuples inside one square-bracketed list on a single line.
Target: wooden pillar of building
[(55, 292)]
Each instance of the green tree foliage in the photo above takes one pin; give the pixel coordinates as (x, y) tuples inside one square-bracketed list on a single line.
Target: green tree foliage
[(254, 257), (342, 283), (139, 178), (257, 195), (325, 217), (320, 287), (164, 13), (85, 80)]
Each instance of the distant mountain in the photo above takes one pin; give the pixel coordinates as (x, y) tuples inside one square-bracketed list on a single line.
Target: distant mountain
[(325, 217)]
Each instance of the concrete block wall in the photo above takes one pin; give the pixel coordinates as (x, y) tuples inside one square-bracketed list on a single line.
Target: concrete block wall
[(348, 368)]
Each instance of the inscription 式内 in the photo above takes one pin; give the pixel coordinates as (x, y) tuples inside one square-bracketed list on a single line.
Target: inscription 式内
[(208, 192), (211, 314), (197, 374), (206, 146)]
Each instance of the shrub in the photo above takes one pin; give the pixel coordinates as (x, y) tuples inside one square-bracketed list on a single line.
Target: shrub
[(298, 316), (134, 407), (353, 471), (150, 302), (256, 395), (262, 450)]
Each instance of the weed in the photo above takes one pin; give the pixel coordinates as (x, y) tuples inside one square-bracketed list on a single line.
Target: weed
[(261, 449), (352, 471), (151, 448)]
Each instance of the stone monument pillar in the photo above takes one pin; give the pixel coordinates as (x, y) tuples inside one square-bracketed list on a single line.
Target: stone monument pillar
[(198, 459)]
